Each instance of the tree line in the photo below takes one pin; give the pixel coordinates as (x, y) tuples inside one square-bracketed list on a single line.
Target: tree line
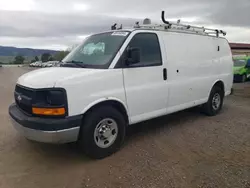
[(19, 59)]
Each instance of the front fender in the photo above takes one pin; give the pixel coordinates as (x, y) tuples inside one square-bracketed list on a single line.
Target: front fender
[(96, 102)]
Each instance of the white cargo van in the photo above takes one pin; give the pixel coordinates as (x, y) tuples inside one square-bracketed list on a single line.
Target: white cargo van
[(122, 77)]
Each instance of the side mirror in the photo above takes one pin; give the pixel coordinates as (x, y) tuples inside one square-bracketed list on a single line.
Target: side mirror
[(133, 56)]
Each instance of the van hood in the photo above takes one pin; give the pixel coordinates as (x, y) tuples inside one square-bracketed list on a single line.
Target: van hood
[(48, 77)]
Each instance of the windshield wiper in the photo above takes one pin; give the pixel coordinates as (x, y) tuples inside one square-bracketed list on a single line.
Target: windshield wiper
[(73, 64)]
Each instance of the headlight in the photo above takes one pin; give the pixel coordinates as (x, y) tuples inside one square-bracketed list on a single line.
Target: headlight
[(50, 102), (55, 98)]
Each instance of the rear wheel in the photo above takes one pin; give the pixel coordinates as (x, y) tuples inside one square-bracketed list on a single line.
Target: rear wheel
[(215, 102), (102, 132)]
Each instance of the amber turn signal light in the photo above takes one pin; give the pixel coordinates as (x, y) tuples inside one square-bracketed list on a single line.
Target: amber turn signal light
[(48, 111)]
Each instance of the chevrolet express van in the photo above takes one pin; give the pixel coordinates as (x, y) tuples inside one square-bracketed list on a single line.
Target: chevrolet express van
[(119, 78)]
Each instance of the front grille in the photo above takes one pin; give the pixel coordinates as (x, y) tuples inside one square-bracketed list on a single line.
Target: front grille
[(23, 98)]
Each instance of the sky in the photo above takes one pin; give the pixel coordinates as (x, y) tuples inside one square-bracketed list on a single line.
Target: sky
[(59, 24)]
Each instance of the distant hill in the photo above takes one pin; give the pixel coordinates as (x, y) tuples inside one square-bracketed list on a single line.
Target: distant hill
[(13, 51)]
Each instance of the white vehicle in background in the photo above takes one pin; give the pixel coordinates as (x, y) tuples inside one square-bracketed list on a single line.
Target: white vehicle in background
[(122, 77), (43, 64), (34, 64), (31, 64), (37, 64), (51, 64)]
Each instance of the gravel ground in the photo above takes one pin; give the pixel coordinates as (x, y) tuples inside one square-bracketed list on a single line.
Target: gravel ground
[(186, 149)]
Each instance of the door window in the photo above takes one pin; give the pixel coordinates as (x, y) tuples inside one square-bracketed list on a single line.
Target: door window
[(149, 49)]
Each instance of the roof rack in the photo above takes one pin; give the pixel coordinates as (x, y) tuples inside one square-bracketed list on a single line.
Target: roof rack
[(171, 26)]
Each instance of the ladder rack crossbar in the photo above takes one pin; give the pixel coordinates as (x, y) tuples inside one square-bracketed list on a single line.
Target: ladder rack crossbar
[(183, 27)]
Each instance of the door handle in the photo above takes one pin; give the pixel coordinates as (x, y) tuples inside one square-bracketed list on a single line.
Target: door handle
[(165, 76)]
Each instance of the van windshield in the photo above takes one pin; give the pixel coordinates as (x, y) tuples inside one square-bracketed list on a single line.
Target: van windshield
[(239, 63), (97, 51)]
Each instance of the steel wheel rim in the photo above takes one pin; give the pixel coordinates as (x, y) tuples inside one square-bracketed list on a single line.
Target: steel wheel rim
[(106, 132), (216, 101)]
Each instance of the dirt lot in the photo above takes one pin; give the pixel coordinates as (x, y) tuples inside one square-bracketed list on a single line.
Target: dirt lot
[(186, 149)]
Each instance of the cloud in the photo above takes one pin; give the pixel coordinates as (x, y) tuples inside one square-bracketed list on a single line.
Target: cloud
[(235, 13), (60, 22), (33, 24), (13, 5)]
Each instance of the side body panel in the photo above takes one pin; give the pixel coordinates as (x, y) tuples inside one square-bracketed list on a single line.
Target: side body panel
[(194, 66)]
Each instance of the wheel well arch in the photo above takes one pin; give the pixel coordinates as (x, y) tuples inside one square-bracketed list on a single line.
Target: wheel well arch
[(118, 105), (220, 84)]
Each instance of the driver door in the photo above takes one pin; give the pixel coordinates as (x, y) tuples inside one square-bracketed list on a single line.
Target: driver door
[(145, 82)]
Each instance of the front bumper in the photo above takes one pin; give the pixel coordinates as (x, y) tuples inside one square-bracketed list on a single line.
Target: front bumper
[(47, 130)]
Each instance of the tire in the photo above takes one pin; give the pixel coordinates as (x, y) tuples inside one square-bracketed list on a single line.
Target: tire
[(88, 138), (209, 108), (243, 78)]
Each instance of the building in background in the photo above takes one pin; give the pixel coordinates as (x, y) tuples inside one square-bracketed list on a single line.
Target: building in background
[(240, 49)]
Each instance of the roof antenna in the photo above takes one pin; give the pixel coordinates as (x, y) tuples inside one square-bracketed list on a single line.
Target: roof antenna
[(113, 27)]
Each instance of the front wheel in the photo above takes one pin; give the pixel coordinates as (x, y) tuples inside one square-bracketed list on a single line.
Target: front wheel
[(102, 132), (215, 102)]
